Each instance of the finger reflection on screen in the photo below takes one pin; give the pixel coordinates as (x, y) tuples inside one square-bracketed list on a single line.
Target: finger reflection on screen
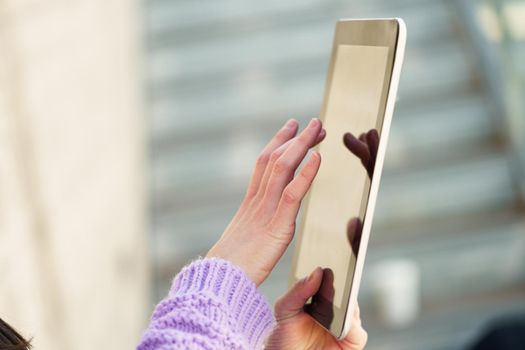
[(364, 147), (322, 305), (354, 230), (338, 199)]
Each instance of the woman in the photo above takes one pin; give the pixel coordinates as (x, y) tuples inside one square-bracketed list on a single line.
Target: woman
[(214, 303)]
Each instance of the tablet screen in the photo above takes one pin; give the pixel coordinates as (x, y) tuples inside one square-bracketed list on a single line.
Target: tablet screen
[(332, 224)]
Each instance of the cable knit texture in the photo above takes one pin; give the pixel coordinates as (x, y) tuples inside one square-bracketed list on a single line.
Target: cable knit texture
[(211, 305)]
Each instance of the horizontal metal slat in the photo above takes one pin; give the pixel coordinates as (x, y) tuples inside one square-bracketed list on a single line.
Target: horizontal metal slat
[(168, 15), (464, 259), (479, 186), (186, 20), (429, 132), (238, 50), (262, 95)]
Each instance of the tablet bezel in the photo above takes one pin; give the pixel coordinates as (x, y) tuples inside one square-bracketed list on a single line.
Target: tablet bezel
[(389, 33)]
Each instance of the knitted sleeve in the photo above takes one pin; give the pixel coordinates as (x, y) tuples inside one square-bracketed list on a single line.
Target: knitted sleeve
[(211, 305)]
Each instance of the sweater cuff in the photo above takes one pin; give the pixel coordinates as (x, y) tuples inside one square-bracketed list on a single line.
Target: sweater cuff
[(247, 309)]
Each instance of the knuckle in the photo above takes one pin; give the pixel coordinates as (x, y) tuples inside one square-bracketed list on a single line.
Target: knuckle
[(281, 166), (305, 175), (282, 235), (289, 197), (263, 158), (275, 155), (250, 194)]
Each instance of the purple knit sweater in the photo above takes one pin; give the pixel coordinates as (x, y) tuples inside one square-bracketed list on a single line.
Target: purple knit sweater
[(211, 305)]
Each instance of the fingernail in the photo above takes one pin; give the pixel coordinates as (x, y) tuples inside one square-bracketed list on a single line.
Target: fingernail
[(314, 122), (312, 274), (290, 124)]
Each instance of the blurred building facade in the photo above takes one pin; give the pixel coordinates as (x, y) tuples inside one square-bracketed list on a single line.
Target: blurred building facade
[(222, 76), (73, 253)]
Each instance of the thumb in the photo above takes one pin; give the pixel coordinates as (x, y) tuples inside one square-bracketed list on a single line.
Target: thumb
[(291, 303)]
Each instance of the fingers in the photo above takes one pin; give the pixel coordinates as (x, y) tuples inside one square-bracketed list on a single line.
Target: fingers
[(327, 290), (285, 165), (320, 137), (287, 132), (364, 147), (292, 195), (354, 230), (322, 307), (357, 337), (357, 146), (276, 155), (293, 301), (279, 151), (372, 138)]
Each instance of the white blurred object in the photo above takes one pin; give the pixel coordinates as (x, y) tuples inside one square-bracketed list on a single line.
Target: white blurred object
[(396, 287)]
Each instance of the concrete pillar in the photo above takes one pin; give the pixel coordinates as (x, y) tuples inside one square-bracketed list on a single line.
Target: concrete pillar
[(73, 249)]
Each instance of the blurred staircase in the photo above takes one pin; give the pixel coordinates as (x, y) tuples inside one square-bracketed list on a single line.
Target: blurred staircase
[(223, 76)]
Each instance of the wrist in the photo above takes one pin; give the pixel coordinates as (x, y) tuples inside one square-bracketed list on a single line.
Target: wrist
[(255, 258)]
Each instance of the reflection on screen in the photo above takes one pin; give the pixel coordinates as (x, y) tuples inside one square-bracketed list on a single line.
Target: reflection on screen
[(333, 221)]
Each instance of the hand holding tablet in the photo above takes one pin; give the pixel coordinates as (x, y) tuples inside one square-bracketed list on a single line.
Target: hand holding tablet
[(359, 99), (296, 329), (360, 93)]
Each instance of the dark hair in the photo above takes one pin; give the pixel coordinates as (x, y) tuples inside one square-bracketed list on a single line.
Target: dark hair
[(11, 339)]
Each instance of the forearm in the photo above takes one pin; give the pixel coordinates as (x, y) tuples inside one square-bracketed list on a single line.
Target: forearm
[(211, 305)]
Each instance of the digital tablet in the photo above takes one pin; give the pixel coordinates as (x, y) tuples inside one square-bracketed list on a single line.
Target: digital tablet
[(361, 90)]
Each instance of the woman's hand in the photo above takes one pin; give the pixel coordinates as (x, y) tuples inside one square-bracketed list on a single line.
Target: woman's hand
[(264, 225), (297, 330)]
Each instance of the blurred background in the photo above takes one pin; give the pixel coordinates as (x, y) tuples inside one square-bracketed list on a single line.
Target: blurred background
[(128, 131)]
